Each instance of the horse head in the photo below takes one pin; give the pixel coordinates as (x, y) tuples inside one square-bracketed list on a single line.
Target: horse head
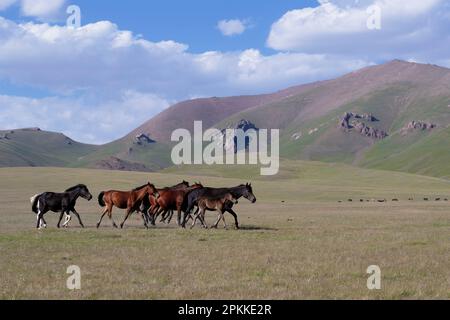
[(196, 185), (151, 189), (248, 193), (83, 191)]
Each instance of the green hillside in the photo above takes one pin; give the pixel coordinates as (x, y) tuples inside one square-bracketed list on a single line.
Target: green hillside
[(310, 124), (400, 120), (33, 147)]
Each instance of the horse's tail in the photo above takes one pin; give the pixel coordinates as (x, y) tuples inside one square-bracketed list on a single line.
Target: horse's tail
[(34, 202), (101, 202)]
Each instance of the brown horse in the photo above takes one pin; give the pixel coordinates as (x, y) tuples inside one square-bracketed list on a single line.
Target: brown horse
[(129, 200), (221, 204), (171, 199), (148, 203)]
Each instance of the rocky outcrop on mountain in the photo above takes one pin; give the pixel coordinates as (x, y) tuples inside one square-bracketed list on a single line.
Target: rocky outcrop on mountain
[(348, 116), (369, 132), (244, 125), (114, 163), (142, 139), (418, 125), (296, 136), (352, 121), (4, 136)]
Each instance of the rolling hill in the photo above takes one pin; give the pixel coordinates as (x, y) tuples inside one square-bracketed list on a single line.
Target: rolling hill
[(394, 116), (36, 148)]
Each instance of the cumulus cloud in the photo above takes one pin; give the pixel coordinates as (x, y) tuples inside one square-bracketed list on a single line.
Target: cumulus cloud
[(97, 71), (417, 30), (103, 58), (232, 27), (79, 118), (4, 4), (41, 8)]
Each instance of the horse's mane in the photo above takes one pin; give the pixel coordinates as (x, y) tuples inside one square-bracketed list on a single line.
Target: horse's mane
[(78, 186), (141, 187)]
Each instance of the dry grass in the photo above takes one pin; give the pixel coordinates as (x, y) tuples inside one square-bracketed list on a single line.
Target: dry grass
[(304, 248)]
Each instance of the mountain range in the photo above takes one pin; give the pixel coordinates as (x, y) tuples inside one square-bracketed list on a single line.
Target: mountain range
[(394, 116)]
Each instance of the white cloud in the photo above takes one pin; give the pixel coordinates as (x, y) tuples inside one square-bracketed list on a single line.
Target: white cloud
[(232, 27), (416, 30), (79, 118), (101, 58), (5, 4), (41, 8), (98, 67)]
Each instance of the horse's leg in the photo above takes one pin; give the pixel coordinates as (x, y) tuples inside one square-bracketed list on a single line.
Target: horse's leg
[(169, 216), (151, 216), (203, 220), (128, 214), (186, 214), (158, 211), (60, 217), (218, 219), (222, 217), (165, 214), (39, 217), (198, 215), (235, 217), (43, 222), (145, 220), (178, 216), (110, 216), (101, 218), (78, 216), (145, 215), (189, 217), (66, 222)]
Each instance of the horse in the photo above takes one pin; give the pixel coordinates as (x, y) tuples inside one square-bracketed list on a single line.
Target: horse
[(129, 200), (171, 199), (149, 202), (238, 192), (220, 204), (59, 202)]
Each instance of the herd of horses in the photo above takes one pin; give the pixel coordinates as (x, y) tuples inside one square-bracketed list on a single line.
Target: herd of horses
[(190, 202)]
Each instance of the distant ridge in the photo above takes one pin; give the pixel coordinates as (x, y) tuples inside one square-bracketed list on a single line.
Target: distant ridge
[(404, 97)]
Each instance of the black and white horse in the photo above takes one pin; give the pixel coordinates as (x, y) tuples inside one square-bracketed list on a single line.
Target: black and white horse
[(63, 203)]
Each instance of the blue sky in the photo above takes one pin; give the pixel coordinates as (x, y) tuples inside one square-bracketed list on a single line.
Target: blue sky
[(135, 58)]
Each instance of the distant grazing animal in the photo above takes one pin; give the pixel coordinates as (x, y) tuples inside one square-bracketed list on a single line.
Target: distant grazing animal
[(130, 200), (243, 190), (63, 203), (438, 199), (426, 199), (395, 200), (350, 200)]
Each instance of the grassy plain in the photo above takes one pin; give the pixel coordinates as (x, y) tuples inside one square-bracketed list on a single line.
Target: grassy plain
[(297, 241)]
